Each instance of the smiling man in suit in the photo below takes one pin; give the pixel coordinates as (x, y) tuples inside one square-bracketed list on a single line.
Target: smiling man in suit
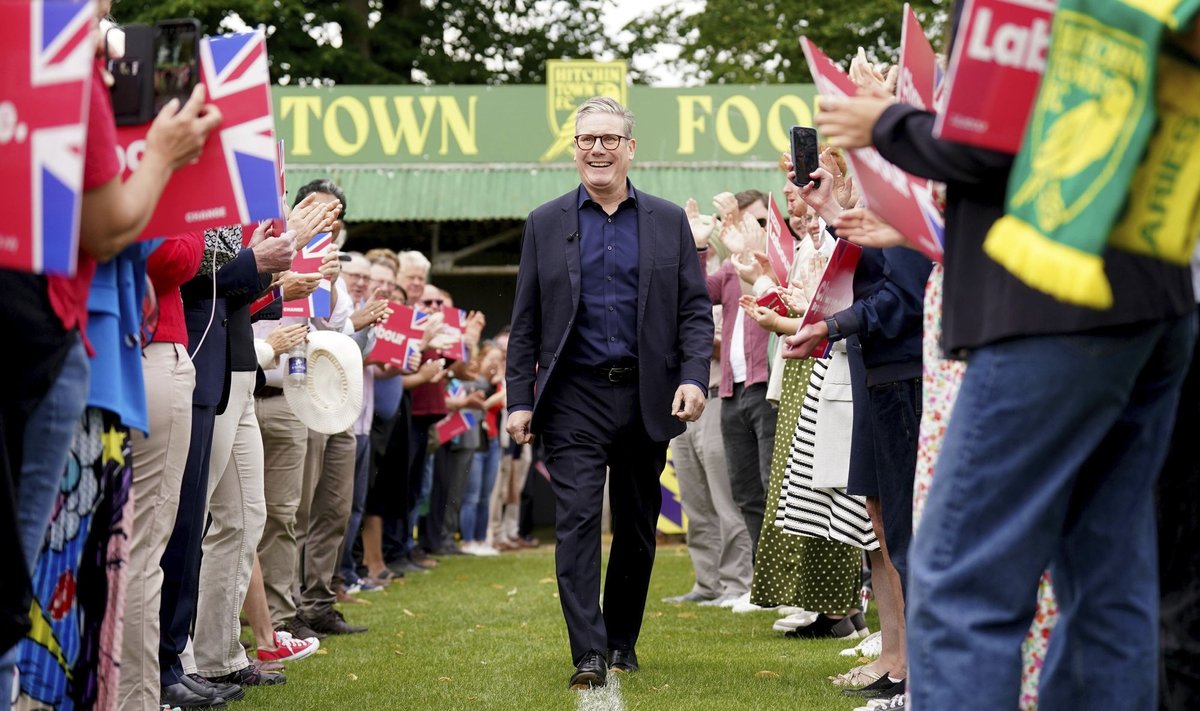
[(607, 359)]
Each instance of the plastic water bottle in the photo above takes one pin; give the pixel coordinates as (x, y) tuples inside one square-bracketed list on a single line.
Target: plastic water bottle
[(297, 364)]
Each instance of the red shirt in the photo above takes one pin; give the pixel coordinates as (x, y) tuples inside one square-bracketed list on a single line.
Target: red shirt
[(174, 262), (69, 295)]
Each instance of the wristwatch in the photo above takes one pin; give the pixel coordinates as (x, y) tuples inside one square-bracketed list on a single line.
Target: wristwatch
[(835, 333)]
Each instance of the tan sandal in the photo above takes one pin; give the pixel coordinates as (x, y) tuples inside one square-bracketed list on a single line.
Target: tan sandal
[(856, 678)]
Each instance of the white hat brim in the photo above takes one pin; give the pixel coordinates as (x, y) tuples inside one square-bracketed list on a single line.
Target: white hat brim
[(331, 398)]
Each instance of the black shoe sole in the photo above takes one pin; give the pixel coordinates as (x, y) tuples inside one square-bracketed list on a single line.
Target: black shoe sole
[(586, 680)]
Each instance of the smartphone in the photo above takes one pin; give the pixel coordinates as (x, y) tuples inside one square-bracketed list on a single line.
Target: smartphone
[(176, 60), (804, 154), (132, 91)]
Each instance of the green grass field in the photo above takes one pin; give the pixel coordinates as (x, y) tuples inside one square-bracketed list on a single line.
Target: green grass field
[(488, 633)]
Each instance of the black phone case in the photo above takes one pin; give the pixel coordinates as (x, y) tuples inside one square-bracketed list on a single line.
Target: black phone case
[(804, 154)]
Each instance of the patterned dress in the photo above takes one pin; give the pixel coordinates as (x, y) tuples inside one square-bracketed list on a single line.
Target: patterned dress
[(940, 382), (66, 661)]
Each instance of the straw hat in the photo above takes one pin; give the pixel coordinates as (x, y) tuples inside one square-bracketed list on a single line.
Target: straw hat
[(331, 398)]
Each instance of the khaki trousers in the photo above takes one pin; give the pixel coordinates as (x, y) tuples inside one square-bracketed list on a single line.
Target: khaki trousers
[(158, 462), (323, 516), (285, 441), (237, 508)]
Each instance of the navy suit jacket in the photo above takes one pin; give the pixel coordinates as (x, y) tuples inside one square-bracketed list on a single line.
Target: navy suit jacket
[(674, 313), (238, 283)]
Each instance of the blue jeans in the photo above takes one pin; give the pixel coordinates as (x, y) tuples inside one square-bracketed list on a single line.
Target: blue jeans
[(1049, 460), (362, 471), (46, 445), (473, 517)]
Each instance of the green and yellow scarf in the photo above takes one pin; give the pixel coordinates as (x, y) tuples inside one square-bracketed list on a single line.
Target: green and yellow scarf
[(1112, 152)]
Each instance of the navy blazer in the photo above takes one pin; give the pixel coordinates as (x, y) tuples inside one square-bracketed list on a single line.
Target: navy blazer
[(238, 283), (674, 313)]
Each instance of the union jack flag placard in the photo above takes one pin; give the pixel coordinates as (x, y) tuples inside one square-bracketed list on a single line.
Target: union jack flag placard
[(455, 423), (236, 179), (46, 53), (308, 261), (399, 336)]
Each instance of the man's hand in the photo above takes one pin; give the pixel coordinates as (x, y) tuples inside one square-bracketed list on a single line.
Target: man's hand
[(687, 405), (865, 228), (820, 197), (801, 344), (372, 312), (433, 328), (846, 122), (274, 254), (702, 225), (519, 421), (432, 371), (284, 338), (177, 135), (299, 286)]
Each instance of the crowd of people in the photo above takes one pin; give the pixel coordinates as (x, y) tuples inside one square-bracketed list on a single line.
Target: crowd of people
[(173, 474), (183, 458)]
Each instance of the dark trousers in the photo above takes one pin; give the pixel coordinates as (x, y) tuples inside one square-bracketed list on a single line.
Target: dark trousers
[(748, 428), (1179, 554), (450, 468), (591, 425), (895, 419), (181, 561)]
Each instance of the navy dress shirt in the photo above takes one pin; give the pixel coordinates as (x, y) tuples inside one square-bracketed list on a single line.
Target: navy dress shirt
[(606, 325)]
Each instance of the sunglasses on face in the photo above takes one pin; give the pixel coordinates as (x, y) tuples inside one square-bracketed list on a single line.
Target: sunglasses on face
[(431, 302)]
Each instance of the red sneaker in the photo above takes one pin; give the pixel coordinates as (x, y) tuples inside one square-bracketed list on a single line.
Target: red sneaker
[(289, 648)]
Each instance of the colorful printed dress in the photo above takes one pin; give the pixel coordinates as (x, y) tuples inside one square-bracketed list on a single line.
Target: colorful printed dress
[(940, 382)]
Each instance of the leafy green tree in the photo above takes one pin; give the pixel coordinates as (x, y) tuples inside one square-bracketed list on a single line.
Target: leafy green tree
[(399, 41), (758, 41)]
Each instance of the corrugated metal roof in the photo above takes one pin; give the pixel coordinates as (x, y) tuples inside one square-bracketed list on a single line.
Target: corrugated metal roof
[(483, 192)]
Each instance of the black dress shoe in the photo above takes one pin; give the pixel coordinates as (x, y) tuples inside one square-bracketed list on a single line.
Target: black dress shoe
[(204, 687), (622, 660), (590, 672), (330, 621), (298, 629), (180, 695)]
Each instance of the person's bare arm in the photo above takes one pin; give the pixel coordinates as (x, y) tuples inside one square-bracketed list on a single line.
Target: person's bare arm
[(115, 213)]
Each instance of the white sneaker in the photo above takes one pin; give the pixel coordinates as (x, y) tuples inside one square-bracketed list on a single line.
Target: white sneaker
[(747, 606), (870, 647), (483, 549), (723, 601), (728, 602), (789, 610), (791, 622), (469, 547)]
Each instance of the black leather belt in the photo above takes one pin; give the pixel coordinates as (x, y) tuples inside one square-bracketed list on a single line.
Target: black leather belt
[(613, 373), (268, 391)]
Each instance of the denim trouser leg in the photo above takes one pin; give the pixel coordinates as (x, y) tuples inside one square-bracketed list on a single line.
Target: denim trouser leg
[(47, 442), (362, 471), (1049, 459), (470, 501)]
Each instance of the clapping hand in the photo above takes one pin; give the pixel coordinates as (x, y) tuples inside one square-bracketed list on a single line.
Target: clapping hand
[(865, 228), (310, 217), (847, 121), (374, 311), (702, 225), (331, 266), (872, 80), (750, 266), (299, 286), (284, 338), (272, 254), (844, 190)]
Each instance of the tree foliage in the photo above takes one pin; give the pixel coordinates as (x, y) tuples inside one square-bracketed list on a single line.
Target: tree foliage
[(399, 41), (758, 41)]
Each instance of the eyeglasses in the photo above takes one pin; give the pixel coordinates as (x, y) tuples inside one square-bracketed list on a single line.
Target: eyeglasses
[(431, 302), (586, 141)]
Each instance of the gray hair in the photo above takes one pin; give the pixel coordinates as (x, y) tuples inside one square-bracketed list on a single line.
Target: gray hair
[(414, 258), (605, 105)]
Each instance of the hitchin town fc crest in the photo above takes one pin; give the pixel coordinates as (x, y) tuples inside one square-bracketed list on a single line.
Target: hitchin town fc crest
[(571, 82)]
